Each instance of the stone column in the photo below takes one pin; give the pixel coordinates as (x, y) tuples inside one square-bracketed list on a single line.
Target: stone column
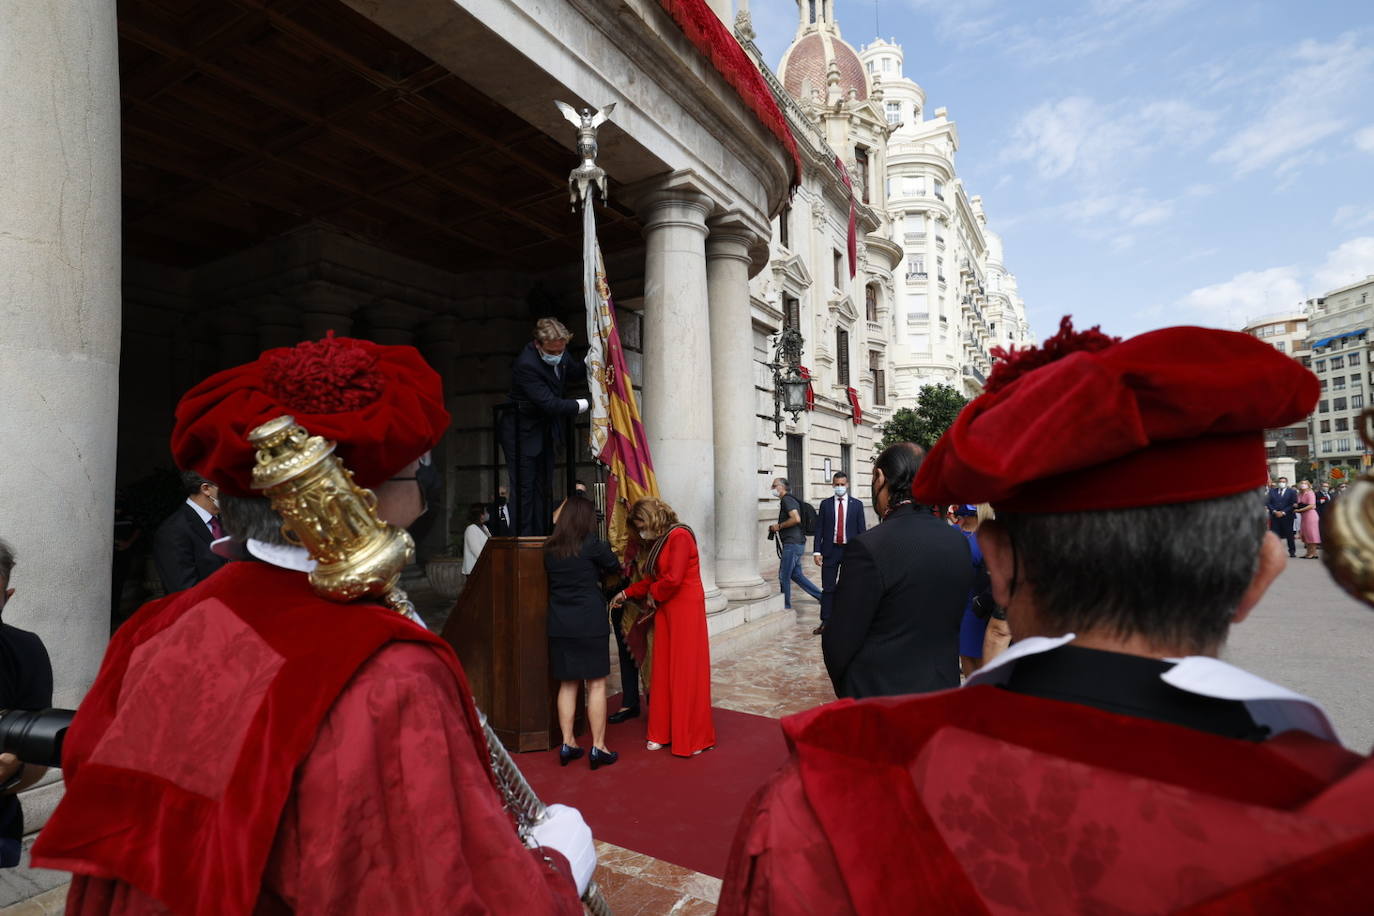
[(325, 307), (733, 416), (60, 298), (278, 323), (677, 365), (392, 322)]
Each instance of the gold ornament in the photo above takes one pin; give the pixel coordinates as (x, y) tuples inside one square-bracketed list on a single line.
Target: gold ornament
[(1348, 529), (324, 511)]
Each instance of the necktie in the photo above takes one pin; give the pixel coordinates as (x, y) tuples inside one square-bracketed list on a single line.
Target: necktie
[(839, 521), (216, 531)]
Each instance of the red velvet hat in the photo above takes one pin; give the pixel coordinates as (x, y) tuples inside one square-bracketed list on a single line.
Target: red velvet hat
[(383, 405), (1088, 422)]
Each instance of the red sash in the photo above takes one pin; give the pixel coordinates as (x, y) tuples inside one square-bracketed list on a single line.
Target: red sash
[(180, 759), (982, 800)]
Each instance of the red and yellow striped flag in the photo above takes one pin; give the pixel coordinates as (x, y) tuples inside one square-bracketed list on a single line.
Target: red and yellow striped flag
[(617, 433)]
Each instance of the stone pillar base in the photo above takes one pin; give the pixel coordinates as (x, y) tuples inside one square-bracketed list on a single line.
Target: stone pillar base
[(749, 590), (716, 600)]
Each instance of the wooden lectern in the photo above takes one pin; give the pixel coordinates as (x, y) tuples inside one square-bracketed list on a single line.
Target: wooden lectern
[(498, 627)]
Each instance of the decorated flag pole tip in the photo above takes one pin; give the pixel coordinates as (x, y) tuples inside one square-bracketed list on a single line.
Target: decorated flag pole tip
[(588, 174)]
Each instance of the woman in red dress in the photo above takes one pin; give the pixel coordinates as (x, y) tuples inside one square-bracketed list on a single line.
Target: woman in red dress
[(680, 679)]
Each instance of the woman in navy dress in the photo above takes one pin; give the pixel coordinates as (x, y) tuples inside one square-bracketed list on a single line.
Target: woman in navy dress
[(575, 559)]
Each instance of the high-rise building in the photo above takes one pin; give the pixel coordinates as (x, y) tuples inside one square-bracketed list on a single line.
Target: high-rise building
[(1338, 334), (1287, 333)]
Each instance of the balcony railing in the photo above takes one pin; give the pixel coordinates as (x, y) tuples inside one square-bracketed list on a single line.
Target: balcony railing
[(974, 374), (916, 275)]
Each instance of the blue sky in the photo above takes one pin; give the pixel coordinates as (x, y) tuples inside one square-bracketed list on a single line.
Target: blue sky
[(1149, 162)]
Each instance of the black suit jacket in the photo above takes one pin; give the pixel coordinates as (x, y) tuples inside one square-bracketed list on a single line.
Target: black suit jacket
[(181, 550), (537, 391), (498, 526), (900, 599), (1282, 499), (577, 606)]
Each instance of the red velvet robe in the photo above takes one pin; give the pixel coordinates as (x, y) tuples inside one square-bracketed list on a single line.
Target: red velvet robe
[(249, 747), (985, 801), (680, 689)]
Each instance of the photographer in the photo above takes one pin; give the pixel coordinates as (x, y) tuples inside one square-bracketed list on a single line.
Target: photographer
[(25, 683)]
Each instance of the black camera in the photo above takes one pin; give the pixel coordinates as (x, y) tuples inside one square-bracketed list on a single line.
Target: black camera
[(35, 735)]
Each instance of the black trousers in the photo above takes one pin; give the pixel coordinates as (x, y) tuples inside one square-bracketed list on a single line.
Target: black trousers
[(830, 576), (531, 478), (629, 674), (1283, 527)]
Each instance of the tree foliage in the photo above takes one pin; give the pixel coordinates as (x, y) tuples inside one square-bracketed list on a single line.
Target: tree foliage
[(936, 408)]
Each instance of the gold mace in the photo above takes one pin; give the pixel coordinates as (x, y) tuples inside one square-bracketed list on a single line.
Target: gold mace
[(326, 512)]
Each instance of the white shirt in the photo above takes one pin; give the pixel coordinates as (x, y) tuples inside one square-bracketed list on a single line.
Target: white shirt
[(204, 516), (1278, 708), (474, 539)]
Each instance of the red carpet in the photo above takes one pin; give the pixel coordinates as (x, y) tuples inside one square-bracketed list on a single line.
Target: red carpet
[(681, 810)]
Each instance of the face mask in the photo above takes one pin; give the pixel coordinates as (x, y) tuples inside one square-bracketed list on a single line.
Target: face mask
[(777, 492), (840, 491), (552, 359)]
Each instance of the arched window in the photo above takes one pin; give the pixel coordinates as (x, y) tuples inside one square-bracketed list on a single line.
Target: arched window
[(871, 302)]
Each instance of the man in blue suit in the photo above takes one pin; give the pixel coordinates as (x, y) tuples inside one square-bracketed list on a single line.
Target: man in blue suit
[(839, 520), (1282, 502), (543, 371)]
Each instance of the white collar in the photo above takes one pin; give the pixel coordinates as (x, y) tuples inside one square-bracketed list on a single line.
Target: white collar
[(1278, 708), (204, 516), (296, 559)]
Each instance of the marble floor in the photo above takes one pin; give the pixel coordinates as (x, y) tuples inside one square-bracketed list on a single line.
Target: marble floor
[(776, 677)]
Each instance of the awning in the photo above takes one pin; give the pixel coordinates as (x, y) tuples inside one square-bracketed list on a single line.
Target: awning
[(1326, 341)]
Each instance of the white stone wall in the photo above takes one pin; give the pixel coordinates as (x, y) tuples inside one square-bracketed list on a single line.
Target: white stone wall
[(59, 296)]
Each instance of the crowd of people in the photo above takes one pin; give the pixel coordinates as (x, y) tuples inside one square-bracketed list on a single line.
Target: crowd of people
[(250, 746)]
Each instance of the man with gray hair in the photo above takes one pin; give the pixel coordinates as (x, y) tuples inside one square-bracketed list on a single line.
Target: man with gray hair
[(1108, 762), (25, 683), (532, 426)]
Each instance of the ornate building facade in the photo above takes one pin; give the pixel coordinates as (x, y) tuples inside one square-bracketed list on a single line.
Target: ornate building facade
[(930, 294)]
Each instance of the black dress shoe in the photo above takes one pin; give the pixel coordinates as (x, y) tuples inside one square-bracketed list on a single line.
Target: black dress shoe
[(818, 631), (567, 755), (602, 758), (620, 715)]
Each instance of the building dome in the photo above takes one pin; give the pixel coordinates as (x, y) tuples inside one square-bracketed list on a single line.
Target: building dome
[(805, 65)]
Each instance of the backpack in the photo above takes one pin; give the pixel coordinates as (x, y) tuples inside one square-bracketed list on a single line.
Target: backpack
[(807, 514)]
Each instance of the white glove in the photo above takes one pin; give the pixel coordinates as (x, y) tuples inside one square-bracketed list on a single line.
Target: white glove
[(565, 830), (582, 405)]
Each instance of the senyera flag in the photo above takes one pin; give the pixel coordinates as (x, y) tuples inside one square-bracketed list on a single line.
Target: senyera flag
[(617, 433)]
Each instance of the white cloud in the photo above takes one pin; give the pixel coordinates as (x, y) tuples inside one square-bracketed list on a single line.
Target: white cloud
[(1259, 292), (1081, 138), (1353, 216), (1310, 102), (1364, 139), (1352, 261), (1255, 292)]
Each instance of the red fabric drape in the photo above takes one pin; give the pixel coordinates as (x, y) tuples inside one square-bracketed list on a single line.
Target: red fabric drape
[(710, 36), (854, 404), (853, 239), (984, 801), (810, 392)]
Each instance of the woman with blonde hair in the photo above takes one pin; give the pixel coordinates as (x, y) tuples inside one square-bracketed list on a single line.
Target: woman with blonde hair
[(680, 672)]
